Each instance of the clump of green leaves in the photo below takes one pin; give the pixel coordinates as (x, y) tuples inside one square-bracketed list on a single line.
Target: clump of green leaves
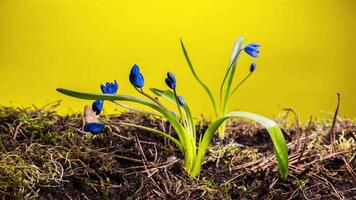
[(226, 90), (193, 148)]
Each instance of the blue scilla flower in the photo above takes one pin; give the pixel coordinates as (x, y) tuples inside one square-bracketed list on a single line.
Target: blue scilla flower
[(171, 80), (136, 78), (181, 101), (109, 87), (252, 49), (253, 67), (94, 127), (97, 106)]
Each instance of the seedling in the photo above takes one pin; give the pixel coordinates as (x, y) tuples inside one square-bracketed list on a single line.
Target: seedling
[(225, 88), (193, 148)]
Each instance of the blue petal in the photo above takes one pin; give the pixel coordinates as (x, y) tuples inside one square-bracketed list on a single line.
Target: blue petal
[(140, 81), (253, 67), (171, 80), (98, 106), (135, 69), (254, 54), (103, 89), (169, 83), (135, 77), (137, 80), (251, 48), (254, 45), (252, 51), (170, 75), (116, 85), (94, 127), (110, 87), (181, 101)]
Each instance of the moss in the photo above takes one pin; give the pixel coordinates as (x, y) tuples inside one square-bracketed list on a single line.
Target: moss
[(44, 155)]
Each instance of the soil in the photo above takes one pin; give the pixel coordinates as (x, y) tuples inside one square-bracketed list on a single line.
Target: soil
[(47, 156)]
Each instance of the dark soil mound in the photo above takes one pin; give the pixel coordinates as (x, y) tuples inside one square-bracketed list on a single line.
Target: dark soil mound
[(47, 156)]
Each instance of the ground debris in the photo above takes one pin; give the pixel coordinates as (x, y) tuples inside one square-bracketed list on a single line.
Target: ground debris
[(47, 156)]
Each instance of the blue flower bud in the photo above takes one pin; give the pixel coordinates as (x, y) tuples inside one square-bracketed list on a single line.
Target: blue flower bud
[(136, 78), (175, 115), (171, 80), (181, 101), (94, 127), (97, 106), (109, 87), (253, 67), (252, 49)]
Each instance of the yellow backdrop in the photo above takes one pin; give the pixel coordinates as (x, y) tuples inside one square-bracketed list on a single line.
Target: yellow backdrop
[(307, 54)]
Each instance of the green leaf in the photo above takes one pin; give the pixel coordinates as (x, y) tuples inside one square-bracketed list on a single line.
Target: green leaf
[(226, 84), (189, 149), (229, 76), (207, 90), (190, 120), (279, 143), (167, 114), (169, 95)]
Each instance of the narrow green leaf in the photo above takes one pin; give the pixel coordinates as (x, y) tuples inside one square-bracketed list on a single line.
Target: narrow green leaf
[(169, 95), (190, 120), (226, 84), (207, 90), (189, 149), (167, 114), (227, 81), (279, 143)]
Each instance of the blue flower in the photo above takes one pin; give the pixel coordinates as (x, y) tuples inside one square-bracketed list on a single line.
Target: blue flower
[(109, 87), (181, 100), (136, 78), (97, 106), (94, 127), (171, 80), (253, 67), (252, 49)]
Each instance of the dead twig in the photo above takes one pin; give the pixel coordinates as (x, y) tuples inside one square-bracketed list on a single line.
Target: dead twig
[(332, 130)]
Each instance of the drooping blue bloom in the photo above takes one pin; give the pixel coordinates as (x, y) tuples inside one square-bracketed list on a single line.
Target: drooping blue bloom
[(136, 78), (252, 49), (97, 106), (94, 127), (253, 67), (171, 80), (109, 87)]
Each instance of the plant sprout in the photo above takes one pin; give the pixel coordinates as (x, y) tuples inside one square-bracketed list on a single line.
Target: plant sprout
[(225, 88), (192, 147)]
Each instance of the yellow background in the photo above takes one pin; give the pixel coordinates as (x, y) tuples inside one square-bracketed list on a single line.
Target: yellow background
[(307, 54)]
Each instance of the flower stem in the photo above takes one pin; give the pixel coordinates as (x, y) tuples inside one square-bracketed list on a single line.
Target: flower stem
[(135, 109), (238, 85), (176, 97), (148, 96)]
